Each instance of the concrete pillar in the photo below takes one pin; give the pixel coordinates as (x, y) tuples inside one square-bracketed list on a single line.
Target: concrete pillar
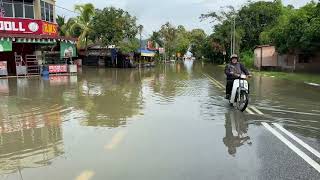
[(37, 9)]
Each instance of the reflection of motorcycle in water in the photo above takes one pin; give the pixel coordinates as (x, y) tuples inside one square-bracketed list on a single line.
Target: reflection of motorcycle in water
[(236, 132)]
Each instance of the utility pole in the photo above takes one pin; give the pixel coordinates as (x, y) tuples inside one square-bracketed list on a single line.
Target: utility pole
[(234, 35), (140, 32), (231, 41)]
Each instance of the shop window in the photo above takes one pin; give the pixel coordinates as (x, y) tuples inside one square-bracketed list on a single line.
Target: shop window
[(18, 10), (43, 15), (8, 9), (47, 12), (51, 13), (28, 1), (29, 13)]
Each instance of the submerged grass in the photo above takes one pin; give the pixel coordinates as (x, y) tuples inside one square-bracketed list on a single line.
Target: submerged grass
[(298, 77)]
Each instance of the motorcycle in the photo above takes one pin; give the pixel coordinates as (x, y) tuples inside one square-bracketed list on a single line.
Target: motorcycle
[(240, 93)]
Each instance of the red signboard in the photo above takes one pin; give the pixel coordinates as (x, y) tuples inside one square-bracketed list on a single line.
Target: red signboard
[(27, 26), (58, 68)]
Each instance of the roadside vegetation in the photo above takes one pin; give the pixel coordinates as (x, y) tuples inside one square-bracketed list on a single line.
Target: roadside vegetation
[(290, 29), (108, 26)]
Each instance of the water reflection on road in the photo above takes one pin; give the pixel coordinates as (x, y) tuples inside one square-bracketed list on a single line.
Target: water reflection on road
[(236, 131)]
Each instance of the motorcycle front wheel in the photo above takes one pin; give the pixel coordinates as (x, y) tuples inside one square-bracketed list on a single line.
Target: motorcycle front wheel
[(243, 101)]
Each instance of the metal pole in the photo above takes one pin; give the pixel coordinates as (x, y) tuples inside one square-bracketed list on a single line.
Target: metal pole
[(234, 36), (165, 52), (231, 42)]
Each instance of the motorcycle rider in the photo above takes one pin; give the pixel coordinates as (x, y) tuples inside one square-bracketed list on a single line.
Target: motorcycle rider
[(233, 71)]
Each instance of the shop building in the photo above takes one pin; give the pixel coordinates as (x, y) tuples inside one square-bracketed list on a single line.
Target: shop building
[(29, 40)]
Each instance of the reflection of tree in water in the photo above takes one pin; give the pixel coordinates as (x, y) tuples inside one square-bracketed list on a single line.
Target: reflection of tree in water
[(169, 80), (236, 132), (118, 97)]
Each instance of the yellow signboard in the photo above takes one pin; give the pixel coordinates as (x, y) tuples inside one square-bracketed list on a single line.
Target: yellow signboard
[(50, 29)]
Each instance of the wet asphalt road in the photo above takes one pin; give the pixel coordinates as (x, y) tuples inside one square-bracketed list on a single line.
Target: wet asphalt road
[(169, 122)]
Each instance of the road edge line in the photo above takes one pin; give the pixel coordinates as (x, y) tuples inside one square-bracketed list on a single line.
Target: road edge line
[(306, 146), (304, 156)]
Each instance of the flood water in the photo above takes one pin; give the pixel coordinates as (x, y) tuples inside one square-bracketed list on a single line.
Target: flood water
[(167, 122)]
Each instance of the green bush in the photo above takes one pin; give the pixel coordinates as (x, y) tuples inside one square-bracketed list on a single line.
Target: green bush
[(247, 58)]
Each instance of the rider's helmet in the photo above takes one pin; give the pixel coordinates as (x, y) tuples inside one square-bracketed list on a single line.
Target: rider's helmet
[(234, 56)]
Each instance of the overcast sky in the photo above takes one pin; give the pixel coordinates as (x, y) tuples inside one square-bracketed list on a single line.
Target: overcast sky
[(153, 13)]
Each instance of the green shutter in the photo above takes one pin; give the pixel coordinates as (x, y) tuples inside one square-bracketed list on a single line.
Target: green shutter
[(5, 46)]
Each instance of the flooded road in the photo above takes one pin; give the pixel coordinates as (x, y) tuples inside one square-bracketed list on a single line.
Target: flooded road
[(169, 122)]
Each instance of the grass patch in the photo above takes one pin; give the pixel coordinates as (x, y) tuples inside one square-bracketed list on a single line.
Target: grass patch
[(298, 77)]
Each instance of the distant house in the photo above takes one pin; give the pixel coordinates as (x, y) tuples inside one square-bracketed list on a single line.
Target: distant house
[(95, 55), (266, 57)]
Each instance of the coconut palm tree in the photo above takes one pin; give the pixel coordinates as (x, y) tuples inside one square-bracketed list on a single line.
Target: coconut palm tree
[(82, 23), (61, 22)]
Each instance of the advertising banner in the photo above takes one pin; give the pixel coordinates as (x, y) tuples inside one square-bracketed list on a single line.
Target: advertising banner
[(67, 50), (58, 68), (27, 26)]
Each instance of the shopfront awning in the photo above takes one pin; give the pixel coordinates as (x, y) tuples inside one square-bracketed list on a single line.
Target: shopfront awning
[(31, 38), (37, 41)]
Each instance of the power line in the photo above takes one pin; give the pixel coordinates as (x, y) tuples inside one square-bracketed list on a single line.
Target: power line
[(67, 9)]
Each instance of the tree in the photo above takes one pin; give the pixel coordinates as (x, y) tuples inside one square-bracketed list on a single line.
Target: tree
[(182, 41), (222, 30), (168, 33), (251, 20), (112, 26), (61, 22), (255, 18), (82, 23), (129, 45), (198, 37), (156, 39), (297, 30)]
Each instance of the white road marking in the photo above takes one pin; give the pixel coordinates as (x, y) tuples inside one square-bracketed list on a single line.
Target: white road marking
[(309, 148), (249, 111), (310, 161), (257, 110), (285, 111)]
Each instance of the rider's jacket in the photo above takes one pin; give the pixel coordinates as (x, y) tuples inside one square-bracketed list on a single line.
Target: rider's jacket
[(233, 70)]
